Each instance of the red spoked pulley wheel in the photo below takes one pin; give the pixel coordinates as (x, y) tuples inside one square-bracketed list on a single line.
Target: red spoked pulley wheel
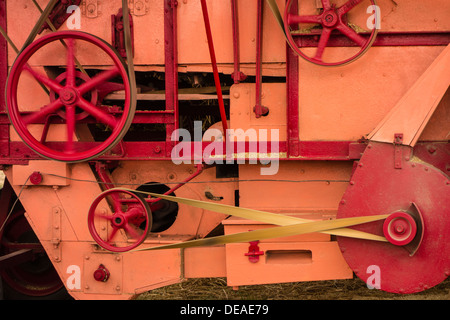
[(73, 103), (119, 220), (330, 17)]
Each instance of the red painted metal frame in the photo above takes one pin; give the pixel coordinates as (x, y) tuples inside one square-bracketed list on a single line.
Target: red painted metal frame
[(384, 39), (4, 127), (171, 71), (292, 95)]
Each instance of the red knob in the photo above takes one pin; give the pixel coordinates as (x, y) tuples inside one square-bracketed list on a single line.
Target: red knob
[(101, 274)]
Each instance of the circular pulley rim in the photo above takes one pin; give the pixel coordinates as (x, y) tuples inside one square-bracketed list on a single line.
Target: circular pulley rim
[(92, 215), (14, 114), (297, 50)]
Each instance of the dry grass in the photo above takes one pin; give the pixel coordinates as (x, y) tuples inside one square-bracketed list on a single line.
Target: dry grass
[(217, 289)]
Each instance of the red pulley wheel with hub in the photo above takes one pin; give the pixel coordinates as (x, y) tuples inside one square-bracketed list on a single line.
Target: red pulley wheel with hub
[(73, 100), (415, 256), (119, 220), (330, 18)]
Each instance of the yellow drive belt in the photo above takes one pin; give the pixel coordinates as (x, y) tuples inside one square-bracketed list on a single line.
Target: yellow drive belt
[(288, 225)]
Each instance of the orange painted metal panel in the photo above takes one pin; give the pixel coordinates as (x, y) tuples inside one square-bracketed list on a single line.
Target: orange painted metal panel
[(204, 262), (309, 261), (411, 114), (298, 187), (243, 101), (59, 170), (307, 257), (347, 103)]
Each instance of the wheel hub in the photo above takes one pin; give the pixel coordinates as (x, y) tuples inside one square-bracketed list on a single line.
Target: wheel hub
[(123, 229), (69, 96), (400, 228), (330, 19)]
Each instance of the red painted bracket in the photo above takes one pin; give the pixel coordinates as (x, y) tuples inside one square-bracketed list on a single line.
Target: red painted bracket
[(254, 252)]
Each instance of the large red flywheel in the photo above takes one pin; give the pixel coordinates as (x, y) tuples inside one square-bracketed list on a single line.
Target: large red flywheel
[(73, 99), (392, 180)]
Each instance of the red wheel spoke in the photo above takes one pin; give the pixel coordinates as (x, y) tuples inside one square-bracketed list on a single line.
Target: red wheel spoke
[(97, 113), (326, 4), (351, 34), (349, 5), (112, 234), (98, 80), (70, 123), (70, 79), (51, 84), (42, 114), (133, 213), (104, 216), (296, 19), (131, 231), (326, 32)]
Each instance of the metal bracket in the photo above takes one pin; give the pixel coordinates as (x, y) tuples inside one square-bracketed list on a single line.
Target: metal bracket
[(56, 233), (90, 8), (398, 152), (59, 14), (254, 252), (118, 33), (139, 7)]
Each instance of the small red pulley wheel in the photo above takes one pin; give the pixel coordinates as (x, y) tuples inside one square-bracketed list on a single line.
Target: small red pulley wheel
[(330, 18), (73, 99), (400, 228), (119, 220)]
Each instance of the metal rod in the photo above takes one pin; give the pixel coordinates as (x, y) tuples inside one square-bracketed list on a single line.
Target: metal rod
[(214, 65), (171, 68), (237, 76), (259, 109)]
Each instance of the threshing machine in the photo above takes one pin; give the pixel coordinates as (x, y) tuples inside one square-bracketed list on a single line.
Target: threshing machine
[(146, 142)]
